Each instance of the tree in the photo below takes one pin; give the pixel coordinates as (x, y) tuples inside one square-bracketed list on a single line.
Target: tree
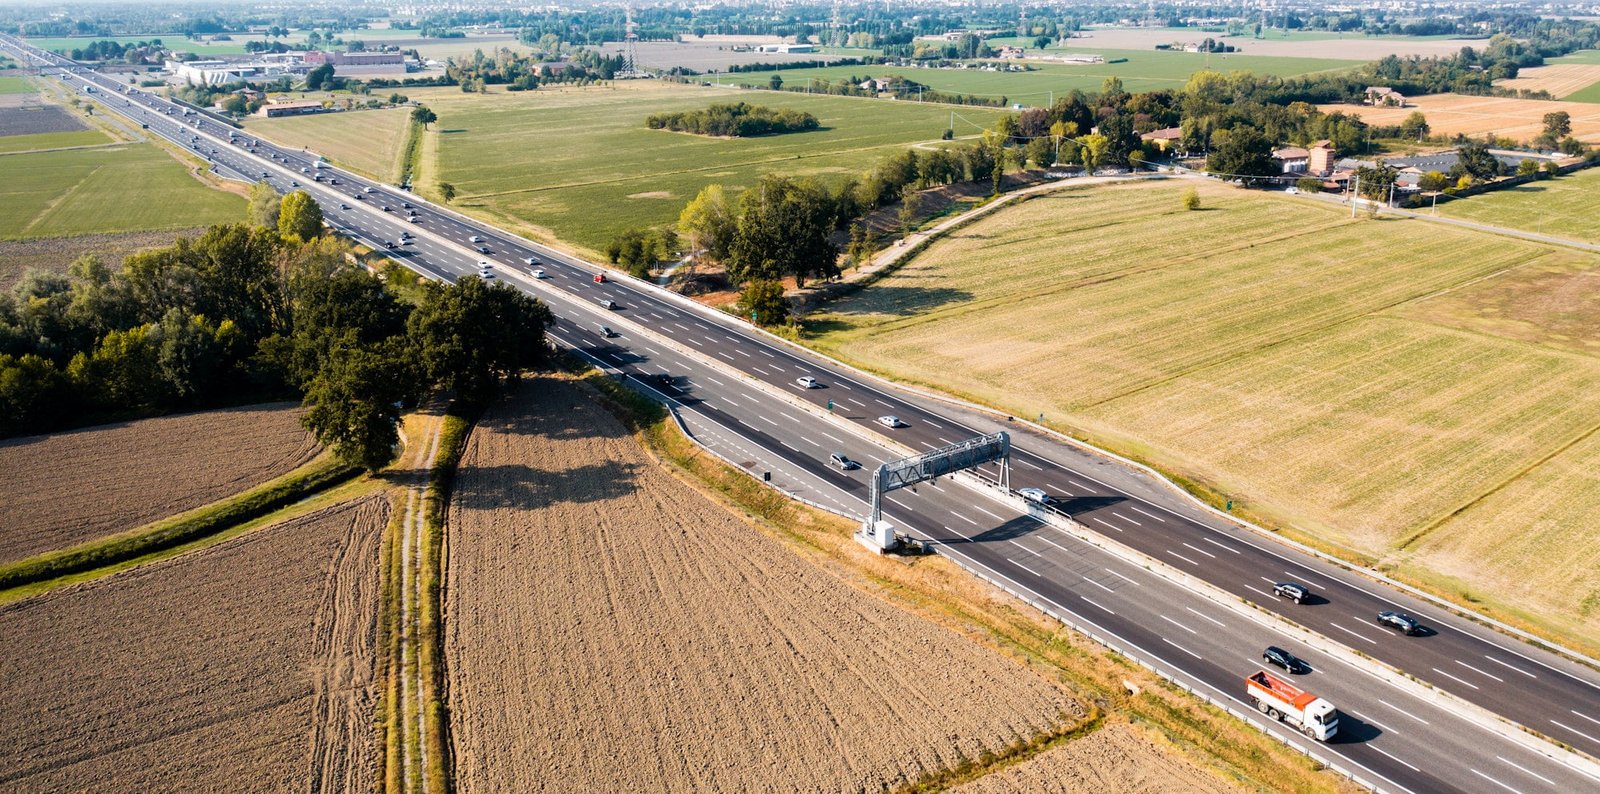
[(1241, 153), (468, 335), (1557, 125), (910, 202), (423, 116), (1093, 150), (264, 205), (1414, 126), (1308, 184), (1476, 160), (709, 222), (1191, 199), (1528, 167), (1433, 182), (353, 403), (1374, 182), (776, 83), (320, 78), (863, 243), (299, 217), (783, 231), (763, 302)]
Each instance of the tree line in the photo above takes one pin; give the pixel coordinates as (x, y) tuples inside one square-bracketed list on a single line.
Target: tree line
[(735, 120), (251, 311)]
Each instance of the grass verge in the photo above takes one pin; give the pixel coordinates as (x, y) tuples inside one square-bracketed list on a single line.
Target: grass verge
[(458, 422), (411, 155), (171, 535), (940, 591)]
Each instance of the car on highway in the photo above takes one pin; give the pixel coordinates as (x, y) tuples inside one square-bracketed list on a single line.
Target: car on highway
[(842, 462), (609, 304), (388, 244), (892, 421), (538, 272), (385, 208), (483, 249), (415, 219), (359, 197), (531, 260), (293, 183), (303, 169), (474, 239), (406, 204), (344, 206), (368, 190), (405, 235), (807, 382), (1294, 591), (1399, 620), (1037, 496), (1282, 658), (605, 331), (483, 264)]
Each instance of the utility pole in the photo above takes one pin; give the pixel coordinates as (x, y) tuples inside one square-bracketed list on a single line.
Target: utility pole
[(1355, 194)]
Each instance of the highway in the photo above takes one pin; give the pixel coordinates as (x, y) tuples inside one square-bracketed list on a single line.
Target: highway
[(736, 391)]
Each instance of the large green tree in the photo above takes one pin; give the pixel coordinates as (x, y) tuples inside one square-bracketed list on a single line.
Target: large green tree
[(264, 205), (709, 223), (1242, 154), (468, 335), (353, 403), (783, 231), (300, 217)]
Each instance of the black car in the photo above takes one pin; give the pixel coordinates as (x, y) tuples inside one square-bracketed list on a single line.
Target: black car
[(1294, 591), (1282, 658), (1399, 620)]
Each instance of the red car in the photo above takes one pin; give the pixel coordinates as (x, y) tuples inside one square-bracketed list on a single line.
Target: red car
[(599, 278)]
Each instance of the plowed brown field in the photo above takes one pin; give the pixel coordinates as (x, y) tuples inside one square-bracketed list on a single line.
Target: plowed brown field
[(244, 667), (1116, 758), (611, 629), (63, 489)]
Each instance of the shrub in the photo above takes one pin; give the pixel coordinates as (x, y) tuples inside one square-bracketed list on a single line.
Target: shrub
[(1191, 199)]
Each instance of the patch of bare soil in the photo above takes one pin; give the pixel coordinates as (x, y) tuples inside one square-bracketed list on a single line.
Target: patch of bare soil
[(609, 628), (55, 254), (63, 489), (1117, 757), (246, 666)]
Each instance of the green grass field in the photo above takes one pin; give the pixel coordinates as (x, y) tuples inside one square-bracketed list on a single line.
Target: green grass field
[(1144, 70), (1565, 206), (363, 140), (1271, 350), (580, 163), (92, 191), (14, 85), (1581, 56), (1590, 94)]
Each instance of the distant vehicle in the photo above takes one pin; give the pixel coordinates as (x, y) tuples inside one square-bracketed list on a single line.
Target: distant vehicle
[(609, 304), (359, 197), (406, 204), (1285, 702), (599, 278), (538, 272), (474, 239), (386, 208), (483, 264), (605, 331), (414, 219), (807, 382), (1399, 620), (483, 249), (531, 260), (368, 190), (264, 174), (1282, 658), (344, 206), (1037, 496), (405, 235), (388, 244), (843, 463), (1294, 591), (317, 178), (293, 183), (304, 170), (892, 421)]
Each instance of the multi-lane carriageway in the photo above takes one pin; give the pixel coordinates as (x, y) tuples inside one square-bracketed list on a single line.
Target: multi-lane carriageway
[(736, 390)]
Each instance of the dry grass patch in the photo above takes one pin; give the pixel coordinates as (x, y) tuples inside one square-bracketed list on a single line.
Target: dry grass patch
[(612, 629), (68, 488), (1553, 301), (1564, 206), (247, 665), (1451, 114), (1119, 757)]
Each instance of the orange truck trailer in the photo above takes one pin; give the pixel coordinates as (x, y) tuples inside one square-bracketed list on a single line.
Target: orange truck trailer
[(1286, 702)]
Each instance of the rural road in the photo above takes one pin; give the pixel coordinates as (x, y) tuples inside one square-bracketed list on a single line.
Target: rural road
[(734, 388)]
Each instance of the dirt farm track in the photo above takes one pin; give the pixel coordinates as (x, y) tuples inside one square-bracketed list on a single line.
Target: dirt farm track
[(243, 667), (68, 488), (611, 629)]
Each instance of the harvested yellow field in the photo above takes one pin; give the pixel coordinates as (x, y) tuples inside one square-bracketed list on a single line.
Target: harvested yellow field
[(246, 666), (1559, 79), (72, 487), (1517, 119), (1117, 757), (611, 629), (1359, 381), (368, 141)]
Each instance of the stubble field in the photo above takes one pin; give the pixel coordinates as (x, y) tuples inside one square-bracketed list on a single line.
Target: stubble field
[(368, 141), (1275, 351), (247, 666), (1452, 114), (1562, 80), (1117, 757), (1565, 207), (611, 630), (69, 488)]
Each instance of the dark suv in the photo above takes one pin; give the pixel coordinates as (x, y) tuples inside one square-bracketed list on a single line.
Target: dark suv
[(1399, 620), (1282, 658), (1294, 591)]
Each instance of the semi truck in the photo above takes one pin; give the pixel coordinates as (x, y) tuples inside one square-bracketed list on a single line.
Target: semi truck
[(1285, 702)]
